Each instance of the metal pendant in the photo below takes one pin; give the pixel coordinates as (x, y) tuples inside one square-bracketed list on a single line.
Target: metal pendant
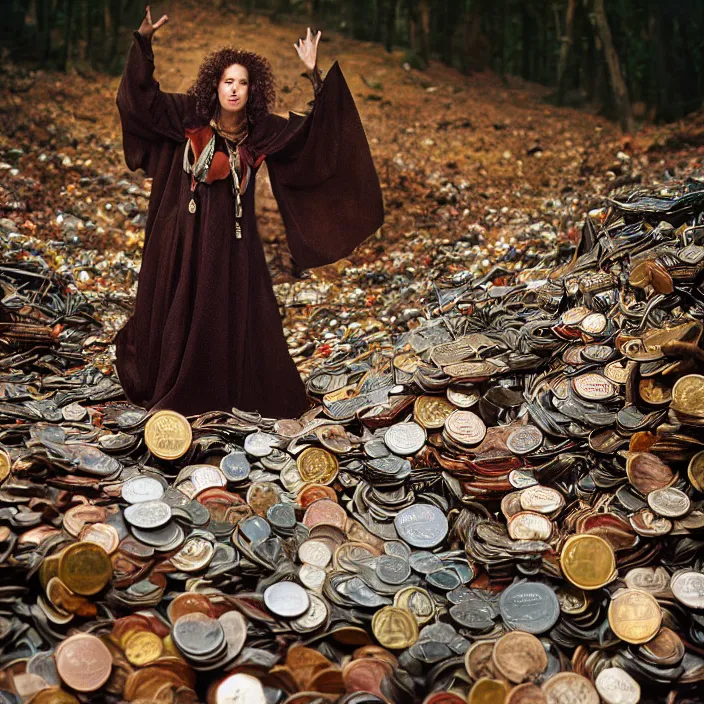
[(192, 206)]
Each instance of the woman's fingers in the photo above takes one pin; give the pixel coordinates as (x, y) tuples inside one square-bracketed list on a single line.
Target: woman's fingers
[(149, 15), (162, 21)]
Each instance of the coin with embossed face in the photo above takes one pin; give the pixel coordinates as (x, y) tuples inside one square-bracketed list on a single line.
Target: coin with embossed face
[(669, 502), (141, 489), (85, 568), (634, 615), (168, 435), (421, 525), (317, 465), (688, 394), (519, 656), (587, 561), (529, 606), (688, 588), (395, 628), (405, 438), (465, 427), (83, 662), (524, 440), (418, 601), (431, 411), (570, 688)]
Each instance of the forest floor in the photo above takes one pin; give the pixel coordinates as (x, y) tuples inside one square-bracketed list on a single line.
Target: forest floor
[(471, 159)]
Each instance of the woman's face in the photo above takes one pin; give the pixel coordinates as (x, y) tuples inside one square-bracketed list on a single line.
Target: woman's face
[(233, 89)]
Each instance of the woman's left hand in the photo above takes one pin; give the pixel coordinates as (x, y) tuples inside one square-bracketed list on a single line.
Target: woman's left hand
[(308, 49)]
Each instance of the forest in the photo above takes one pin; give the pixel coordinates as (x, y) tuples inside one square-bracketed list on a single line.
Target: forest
[(634, 60)]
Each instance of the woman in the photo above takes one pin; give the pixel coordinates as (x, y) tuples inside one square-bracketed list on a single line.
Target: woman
[(205, 333)]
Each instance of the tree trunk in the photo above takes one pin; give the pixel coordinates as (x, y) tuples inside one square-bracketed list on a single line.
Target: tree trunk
[(390, 24), (565, 47), (618, 85), (424, 29), (68, 34)]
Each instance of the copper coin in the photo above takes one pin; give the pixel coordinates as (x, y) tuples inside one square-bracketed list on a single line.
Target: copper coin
[(189, 603), (325, 512), (101, 534), (83, 662), (478, 660), (527, 693), (465, 427), (519, 656), (5, 463), (647, 472), (366, 675)]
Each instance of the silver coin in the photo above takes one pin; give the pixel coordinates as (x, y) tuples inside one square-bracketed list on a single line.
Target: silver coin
[(162, 537), (314, 552), (255, 528), (669, 502), (405, 438), (473, 614), (424, 562), (421, 525), (141, 489), (446, 579), (593, 387), (148, 514), (463, 399), (281, 516), (392, 570), (313, 618), (286, 599), (74, 411), (688, 588), (205, 476), (311, 577), (198, 635), (260, 444), (529, 606), (397, 548), (521, 479), (524, 440), (616, 686)]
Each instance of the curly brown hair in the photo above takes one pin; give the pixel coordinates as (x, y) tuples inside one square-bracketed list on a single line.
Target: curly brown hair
[(262, 91)]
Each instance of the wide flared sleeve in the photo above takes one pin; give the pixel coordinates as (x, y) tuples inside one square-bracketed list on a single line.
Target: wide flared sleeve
[(323, 176), (149, 116)]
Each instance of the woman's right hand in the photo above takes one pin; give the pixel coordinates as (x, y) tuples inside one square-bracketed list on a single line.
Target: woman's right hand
[(147, 29)]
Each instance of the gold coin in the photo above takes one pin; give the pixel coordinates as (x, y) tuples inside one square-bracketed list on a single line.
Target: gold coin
[(418, 602), (317, 465), (486, 691), (54, 695), (49, 569), (85, 568), (688, 394), (695, 471), (5, 463), (587, 561), (395, 628), (168, 435), (634, 615), (143, 647), (431, 411)]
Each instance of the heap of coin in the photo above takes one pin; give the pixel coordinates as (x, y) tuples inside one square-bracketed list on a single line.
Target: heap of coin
[(509, 510)]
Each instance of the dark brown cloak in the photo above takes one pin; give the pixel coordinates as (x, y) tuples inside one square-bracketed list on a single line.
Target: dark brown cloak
[(206, 333)]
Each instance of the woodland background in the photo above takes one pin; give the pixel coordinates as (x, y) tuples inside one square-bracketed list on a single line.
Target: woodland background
[(634, 60)]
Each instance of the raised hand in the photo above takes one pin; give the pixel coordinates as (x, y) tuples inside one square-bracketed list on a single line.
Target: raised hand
[(308, 49), (147, 29)]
